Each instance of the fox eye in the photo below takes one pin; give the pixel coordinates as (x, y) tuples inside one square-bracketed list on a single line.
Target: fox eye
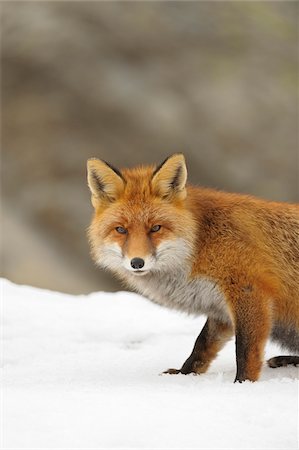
[(121, 230), (155, 228)]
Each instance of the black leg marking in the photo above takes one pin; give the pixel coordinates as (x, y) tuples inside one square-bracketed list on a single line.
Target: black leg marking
[(212, 338), (189, 364), (241, 356), (283, 361)]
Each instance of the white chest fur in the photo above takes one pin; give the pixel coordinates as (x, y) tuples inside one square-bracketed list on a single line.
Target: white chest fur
[(175, 290)]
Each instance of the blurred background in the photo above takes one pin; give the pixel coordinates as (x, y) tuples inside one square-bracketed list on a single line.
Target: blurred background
[(132, 82)]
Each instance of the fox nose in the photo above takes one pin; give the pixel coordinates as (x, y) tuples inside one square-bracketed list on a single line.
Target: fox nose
[(137, 263)]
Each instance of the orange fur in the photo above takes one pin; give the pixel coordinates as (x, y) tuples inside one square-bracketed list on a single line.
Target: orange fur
[(248, 247)]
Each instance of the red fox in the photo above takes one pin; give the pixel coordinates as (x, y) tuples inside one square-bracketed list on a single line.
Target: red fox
[(232, 257)]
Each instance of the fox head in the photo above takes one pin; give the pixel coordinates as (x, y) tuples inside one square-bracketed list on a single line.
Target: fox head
[(140, 223)]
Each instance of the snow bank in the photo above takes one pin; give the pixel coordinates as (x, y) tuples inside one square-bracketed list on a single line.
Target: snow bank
[(83, 372)]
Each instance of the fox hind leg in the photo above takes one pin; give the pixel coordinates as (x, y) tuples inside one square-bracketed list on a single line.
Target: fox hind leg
[(282, 361)]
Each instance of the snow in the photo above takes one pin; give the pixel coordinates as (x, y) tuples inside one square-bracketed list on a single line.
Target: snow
[(84, 372)]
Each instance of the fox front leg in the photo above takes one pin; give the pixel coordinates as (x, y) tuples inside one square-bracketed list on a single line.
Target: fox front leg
[(211, 339), (252, 329)]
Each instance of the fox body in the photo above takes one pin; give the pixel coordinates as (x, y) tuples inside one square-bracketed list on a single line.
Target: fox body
[(232, 257)]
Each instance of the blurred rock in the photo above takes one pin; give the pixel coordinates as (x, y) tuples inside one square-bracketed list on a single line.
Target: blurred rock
[(133, 82)]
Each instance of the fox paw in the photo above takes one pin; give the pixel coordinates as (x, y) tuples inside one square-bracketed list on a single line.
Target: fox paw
[(190, 366), (172, 371), (282, 361)]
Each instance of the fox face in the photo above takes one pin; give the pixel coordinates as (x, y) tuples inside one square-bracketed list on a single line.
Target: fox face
[(139, 224)]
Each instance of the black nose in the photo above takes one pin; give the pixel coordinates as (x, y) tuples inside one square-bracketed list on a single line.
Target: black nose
[(137, 263)]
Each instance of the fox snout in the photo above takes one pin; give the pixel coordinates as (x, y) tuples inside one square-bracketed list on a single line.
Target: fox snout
[(167, 256), (137, 263)]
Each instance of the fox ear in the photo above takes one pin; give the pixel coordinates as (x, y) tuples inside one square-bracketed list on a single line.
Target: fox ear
[(105, 182), (169, 178)]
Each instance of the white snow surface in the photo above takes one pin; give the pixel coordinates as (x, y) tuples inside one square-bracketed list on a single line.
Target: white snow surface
[(83, 372)]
